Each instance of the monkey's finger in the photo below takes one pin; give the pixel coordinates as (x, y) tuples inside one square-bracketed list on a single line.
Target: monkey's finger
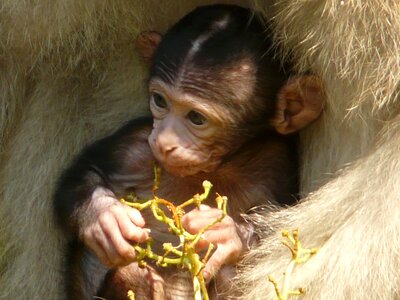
[(135, 216), (128, 227), (202, 244), (221, 238), (132, 232), (226, 254), (112, 257), (216, 261), (91, 240), (118, 250), (224, 235), (216, 236), (197, 224), (228, 243), (195, 220), (102, 246)]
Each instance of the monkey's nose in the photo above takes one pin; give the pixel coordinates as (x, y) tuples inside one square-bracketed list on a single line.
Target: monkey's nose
[(167, 150)]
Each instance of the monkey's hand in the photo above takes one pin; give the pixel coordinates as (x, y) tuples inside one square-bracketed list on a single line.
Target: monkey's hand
[(224, 235), (107, 227)]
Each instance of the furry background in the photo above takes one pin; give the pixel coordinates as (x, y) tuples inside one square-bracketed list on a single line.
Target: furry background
[(69, 74)]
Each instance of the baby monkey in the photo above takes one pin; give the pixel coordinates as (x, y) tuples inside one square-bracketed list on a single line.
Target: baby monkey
[(222, 110)]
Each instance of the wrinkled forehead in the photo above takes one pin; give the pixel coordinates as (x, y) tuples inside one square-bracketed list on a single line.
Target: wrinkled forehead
[(184, 101), (207, 51), (228, 83)]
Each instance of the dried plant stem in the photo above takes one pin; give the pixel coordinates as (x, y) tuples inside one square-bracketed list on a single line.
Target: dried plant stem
[(184, 254), (299, 256)]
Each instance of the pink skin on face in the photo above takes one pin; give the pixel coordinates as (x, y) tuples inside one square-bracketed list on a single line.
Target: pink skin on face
[(183, 132)]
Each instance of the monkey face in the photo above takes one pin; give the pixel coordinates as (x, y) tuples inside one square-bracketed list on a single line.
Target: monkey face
[(185, 132)]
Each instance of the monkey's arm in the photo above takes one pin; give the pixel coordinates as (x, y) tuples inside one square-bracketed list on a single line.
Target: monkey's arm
[(86, 203)]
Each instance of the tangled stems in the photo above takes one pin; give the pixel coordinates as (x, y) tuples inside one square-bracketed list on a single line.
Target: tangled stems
[(184, 254), (299, 256)]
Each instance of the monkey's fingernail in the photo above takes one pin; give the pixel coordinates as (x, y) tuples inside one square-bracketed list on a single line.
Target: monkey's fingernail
[(131, 257), (207, 276)]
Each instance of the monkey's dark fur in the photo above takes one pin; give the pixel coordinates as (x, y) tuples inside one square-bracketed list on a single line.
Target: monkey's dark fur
[(259, 169)]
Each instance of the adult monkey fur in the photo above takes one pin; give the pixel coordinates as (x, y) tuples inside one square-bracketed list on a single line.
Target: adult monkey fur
[(221, 106), (66, 79), (350, 159)]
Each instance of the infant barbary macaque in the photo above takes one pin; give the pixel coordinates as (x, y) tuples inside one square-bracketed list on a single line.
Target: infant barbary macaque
[(222, 110)]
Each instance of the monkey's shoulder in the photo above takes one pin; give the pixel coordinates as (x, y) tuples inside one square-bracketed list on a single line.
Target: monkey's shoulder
[(122, 151), (138, 128), (131, 135), (124, 159), (265, 151), (128, 147)]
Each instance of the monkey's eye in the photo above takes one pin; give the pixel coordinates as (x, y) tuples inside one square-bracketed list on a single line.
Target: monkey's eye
[(196, 118), (159, 101)]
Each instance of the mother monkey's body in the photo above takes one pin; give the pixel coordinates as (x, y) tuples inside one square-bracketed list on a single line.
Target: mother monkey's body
[(221, 108), (350, 158), (69, 75)]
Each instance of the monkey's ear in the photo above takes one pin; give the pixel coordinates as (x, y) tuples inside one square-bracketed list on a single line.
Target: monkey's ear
[(300, 102), (147, 43)]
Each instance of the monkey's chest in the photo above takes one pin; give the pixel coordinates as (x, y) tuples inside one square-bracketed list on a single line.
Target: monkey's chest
[(179, 190), (171, 193)]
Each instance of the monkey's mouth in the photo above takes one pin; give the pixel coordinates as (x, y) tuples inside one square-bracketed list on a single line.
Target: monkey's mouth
[(182, 164)]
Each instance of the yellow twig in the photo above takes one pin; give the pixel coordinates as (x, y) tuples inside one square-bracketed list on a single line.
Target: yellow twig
[(184, 254), (300, 255)]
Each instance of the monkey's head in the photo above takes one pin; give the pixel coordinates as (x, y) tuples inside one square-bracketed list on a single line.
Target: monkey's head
[(214, 84)]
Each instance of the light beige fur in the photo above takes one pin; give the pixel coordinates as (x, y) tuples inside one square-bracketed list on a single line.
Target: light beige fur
[(351, 156), (69, 74)]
